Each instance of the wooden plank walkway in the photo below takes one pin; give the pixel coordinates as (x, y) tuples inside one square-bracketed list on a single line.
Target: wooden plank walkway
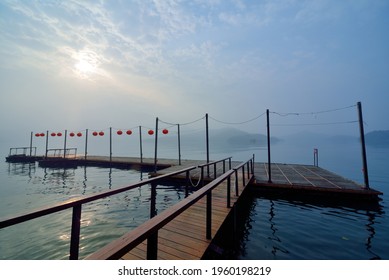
[(184, 238), (306, 178)]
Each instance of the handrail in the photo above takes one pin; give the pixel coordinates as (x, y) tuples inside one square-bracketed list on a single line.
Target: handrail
[(149, 230), (76, 205), (214, 167), (24, 150)]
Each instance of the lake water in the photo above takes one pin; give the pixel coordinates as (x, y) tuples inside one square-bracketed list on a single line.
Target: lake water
[(269, 227)]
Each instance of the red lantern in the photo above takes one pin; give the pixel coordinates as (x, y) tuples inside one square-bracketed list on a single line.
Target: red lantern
[(37, 135), (119, 132), (72, 134), (101, 133), (59, 134), (129, 132), (165, 131), (53, 134), (150, 132), (42, 135), (94, 133), (79, 134)]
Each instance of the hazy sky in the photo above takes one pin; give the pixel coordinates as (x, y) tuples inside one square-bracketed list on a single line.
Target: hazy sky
[(95, 64)]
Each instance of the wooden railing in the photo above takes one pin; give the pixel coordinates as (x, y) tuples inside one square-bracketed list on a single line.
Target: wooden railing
[(149, 229), (76, 204), (214, 163)]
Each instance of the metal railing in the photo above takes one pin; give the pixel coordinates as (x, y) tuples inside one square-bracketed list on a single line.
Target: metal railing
[(76, 204), (149, 229), (61, 153), (15, 151), (214, 163)]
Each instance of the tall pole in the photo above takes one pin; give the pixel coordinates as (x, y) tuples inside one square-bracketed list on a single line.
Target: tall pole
[(47, 143), (110, 144), (362, 133), (268, 144), (207, 140), (86, 143), (179, 144), (156, 146), (140, 144), (64, 145), (31, 143)]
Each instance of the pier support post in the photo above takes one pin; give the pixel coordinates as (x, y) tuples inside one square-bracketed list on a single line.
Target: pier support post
[(268, 144), (362, 134)]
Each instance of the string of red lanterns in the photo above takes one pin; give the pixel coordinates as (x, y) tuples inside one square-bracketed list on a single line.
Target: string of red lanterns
[(95, 133)]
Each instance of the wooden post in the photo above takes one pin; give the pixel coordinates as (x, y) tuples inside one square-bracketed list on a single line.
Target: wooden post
[(268, 144), (209, 216), (110, 144), (363, 146), (75, 234)]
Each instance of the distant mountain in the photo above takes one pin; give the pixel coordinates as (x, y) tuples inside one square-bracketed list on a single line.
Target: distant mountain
[(378, 138)]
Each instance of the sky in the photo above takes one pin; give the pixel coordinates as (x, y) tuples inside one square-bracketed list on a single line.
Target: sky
[(96, 64)]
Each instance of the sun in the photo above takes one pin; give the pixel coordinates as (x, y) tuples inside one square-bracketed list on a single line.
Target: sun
[(87, 64)]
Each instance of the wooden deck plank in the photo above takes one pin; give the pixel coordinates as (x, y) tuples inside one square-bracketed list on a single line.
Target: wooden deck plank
[(185, 236)]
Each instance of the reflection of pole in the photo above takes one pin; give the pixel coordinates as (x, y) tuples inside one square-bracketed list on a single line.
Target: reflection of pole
[(268, 144), (179, 144), (364, 160), (64, 145), (86, 143), (140, 144), (31, 143), (156, 145), (207, 141)]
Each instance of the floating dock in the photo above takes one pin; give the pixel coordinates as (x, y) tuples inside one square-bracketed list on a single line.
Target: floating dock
[(185, 230)]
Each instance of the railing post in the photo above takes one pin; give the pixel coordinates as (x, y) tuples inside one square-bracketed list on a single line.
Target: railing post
[(75, 234), (152, 246), (224, 166), (229, 192), (179, 144), (31, 143), (229, 162), (209, 215), (236, 183), (187, 184), (243, 176), (214, 171), (202, 176)]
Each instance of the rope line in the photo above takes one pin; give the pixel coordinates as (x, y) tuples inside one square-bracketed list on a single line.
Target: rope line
[(313, 113), (312, 124), (236, 123), (198, 182), (187, 123)]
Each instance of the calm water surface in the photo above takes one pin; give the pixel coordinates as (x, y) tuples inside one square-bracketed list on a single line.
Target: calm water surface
[(269, 227)]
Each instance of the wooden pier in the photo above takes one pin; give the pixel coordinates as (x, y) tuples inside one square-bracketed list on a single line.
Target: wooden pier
[(185, 230)]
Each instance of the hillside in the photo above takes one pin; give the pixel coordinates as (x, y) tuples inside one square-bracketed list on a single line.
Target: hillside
[(378, 138)]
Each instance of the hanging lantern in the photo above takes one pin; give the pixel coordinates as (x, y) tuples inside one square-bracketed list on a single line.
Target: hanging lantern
[(165, 131), (150, 132), (79, 134), (59, 134), (42, 135), (129, 132), (53, 134), (101, 133), (37, 135), (72, 134), (95, 133), (119, 132)]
